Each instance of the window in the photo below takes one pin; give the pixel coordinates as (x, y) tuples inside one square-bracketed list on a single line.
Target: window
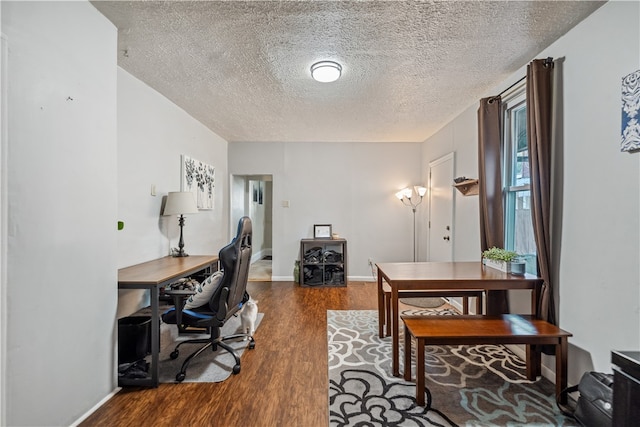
[(519, 235)]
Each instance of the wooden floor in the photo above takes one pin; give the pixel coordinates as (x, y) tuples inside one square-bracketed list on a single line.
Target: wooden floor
[(283, 382)]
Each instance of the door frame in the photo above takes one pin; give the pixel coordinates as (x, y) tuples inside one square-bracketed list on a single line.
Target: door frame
[(241, 201), (432, 164), (4, 206)]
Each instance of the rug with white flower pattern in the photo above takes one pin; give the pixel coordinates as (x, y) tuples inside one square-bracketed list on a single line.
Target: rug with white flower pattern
[(481, 385)]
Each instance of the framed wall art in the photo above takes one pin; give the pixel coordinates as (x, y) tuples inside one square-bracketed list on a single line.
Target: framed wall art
[(630, 112), (199, 178), (322, 231)]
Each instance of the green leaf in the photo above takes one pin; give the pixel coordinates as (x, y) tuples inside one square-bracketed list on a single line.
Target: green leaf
[(499, 254)]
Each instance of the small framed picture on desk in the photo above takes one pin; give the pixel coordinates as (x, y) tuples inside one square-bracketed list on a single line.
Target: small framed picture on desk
[(322, 231)]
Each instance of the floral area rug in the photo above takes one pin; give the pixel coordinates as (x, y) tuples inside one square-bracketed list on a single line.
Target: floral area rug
[(481, 385)]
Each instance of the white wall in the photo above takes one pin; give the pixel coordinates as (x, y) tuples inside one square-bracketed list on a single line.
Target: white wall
[(62, 211), (600, 228), (598, 187), (152, 135), (459, 137), (348, 185)]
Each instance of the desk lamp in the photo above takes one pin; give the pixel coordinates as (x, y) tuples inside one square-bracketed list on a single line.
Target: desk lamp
[(180, 203)]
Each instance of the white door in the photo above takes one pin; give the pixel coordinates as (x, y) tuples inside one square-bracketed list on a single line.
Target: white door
[(441, 209)]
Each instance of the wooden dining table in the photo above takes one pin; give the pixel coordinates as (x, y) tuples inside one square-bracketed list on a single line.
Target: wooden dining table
[(441, 276)]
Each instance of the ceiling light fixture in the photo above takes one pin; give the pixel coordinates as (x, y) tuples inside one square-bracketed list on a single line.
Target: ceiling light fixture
[(326, 71)]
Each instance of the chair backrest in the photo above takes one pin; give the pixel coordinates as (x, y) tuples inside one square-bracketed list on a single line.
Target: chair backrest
[(235, 259)]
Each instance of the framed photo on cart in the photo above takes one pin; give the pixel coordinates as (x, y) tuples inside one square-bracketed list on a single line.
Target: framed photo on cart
[(322, 231)]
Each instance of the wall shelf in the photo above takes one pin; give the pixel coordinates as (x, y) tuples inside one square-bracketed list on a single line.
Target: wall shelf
[(467, 187)]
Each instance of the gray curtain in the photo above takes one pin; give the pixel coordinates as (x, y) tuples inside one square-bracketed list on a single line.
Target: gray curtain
[(539, 116), (490, 188)]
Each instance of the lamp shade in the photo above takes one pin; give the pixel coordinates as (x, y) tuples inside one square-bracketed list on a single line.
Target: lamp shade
[(180, 202)]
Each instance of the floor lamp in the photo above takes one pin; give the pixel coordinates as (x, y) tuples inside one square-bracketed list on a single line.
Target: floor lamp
[(407, 199)]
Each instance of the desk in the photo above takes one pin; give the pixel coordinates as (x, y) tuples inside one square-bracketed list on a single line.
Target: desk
[(445, 275), (153, 275)]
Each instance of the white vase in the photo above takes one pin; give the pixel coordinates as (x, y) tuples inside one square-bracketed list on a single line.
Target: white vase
[(498, 265)]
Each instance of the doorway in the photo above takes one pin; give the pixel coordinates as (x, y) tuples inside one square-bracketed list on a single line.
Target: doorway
[(252, 196), (441, 209)]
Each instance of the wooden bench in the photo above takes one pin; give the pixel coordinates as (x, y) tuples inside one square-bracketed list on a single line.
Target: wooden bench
[(384, 317), (473, 330)]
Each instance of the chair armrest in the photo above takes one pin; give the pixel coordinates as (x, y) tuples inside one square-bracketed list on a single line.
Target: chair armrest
[(221, 313), (178, 296)]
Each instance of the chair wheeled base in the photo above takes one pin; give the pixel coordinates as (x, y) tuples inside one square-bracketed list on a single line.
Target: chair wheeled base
[(208, 343)]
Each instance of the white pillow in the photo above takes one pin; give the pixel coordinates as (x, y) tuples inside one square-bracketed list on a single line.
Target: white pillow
[(204, 291)]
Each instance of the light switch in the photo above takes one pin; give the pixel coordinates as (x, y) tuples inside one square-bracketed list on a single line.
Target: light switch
[(285, 203), (153, 189)]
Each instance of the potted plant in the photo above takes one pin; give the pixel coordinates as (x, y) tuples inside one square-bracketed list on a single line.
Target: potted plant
[(500, 259)]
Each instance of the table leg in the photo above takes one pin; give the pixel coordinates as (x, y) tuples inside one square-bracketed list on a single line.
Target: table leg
[(395, 339), (407, 354), (419, 371), (535, 295), (531, 362), (465, 305), (380, 306), (155, 336), (478, 305), (562, 349)]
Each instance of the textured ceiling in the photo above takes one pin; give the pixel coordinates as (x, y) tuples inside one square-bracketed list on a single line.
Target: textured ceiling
[(242, 67)]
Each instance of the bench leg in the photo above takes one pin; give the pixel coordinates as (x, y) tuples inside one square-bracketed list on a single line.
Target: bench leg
[(420, 371), (407, 354), (387, 320), (562, 349), (381, 297)]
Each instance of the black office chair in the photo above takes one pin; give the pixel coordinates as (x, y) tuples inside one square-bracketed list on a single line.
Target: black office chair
[(227, 299)]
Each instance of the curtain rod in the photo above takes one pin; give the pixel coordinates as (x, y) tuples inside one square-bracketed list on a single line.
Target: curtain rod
[(547, 62)]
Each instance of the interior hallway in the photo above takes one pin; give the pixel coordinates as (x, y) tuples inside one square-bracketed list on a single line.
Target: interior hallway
[(260, 271)]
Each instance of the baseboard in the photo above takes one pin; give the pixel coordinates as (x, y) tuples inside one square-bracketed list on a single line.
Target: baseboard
[(256, 257), (282, 278), (361, 279), (95, 407), (455, 303)]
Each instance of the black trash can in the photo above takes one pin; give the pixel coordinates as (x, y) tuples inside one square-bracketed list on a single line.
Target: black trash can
[(134, 338)]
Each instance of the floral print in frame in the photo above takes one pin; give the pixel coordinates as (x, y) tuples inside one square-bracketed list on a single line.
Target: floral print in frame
[(631, 112), (199, 178)]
